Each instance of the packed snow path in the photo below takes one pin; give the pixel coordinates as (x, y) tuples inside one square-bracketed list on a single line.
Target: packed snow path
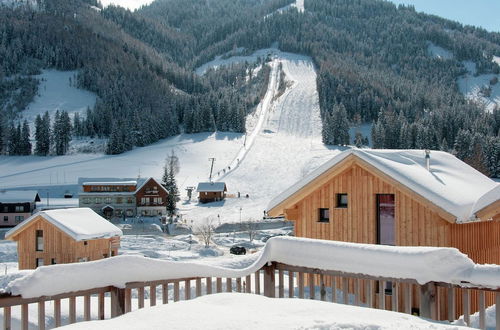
[(286, 147)]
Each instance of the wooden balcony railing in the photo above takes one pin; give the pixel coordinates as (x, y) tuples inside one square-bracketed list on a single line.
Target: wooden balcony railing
[(432, 300)]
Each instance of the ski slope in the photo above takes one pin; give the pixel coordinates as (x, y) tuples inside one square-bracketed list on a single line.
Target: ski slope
[(286, 147), (55, 92)]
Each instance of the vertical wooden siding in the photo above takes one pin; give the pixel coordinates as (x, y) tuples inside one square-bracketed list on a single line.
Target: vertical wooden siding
[(57, 244)]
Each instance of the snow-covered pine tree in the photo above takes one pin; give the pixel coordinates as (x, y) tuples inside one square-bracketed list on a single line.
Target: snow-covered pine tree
[(340, 125), (170, 170)]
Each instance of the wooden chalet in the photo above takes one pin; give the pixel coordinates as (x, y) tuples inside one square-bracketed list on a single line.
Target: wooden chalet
[(398, 197), (64, 236), (211, 191), (151, 198), (16, 206)]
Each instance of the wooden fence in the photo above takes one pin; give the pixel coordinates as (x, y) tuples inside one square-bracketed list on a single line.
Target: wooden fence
[(431, 300)]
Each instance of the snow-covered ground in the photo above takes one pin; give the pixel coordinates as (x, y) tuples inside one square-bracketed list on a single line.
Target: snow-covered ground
[(56, 93), (129, 4), (258, 312), (438, 52), (471, 86)]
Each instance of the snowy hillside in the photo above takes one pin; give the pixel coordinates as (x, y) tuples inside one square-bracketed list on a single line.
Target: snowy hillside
[(287, 147), (284, 146), (56, 91), (479, 88), (129, 4)]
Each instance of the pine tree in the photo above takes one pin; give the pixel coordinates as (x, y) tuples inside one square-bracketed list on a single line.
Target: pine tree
[(14, 140), (170, 170), (61, 132), (24, 143), (42, 135)]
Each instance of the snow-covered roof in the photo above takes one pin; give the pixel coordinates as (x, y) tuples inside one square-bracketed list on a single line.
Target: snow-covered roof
[(111, 183), (79, 223), (487, 199), (451, 184), (23, 196), (149, 179), (211, 187)]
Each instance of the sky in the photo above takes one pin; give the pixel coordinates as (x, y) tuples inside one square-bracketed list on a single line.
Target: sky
[(483, 13)]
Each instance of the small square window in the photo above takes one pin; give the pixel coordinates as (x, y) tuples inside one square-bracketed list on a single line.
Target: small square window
[(342, 200), (6, 218), (53, 261), (39, 262), (324, 215), (85, 243)]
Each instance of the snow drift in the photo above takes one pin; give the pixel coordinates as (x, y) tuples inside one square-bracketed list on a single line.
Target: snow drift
[(424, 264)]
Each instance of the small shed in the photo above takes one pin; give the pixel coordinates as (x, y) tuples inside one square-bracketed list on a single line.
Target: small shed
[(64, 236), (211, 191)]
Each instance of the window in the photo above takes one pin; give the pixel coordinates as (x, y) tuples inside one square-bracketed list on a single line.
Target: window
[(85, 243), (98, 200), (19, 218), (105, 255), (158, 200), (5, 218), (107, 200), (86, 200), (119, 200), (324, 215), (130, 200), (20, 208), (144, 200), (39, 240), (342, 200), (113, 253), (53, 261), (84, 259), (6, 209), (39, 262)]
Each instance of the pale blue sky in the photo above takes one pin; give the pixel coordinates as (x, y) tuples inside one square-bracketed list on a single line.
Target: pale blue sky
[(483, 13)]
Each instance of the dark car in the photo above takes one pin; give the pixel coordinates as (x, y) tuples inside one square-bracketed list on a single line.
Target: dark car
[(238, 250)]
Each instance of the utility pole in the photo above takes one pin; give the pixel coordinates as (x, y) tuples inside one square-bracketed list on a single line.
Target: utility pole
[(211, 168)]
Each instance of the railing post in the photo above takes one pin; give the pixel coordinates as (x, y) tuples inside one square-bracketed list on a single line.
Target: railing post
[(428, 300), (269, 280), (117, 302)]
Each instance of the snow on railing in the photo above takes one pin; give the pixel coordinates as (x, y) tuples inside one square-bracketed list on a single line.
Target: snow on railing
[(438, 283)]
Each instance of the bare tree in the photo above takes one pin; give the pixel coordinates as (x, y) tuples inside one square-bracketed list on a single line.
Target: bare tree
[(206, 230), (251, 227)]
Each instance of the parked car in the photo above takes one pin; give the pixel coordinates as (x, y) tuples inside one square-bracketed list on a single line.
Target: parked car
[(238, 250)]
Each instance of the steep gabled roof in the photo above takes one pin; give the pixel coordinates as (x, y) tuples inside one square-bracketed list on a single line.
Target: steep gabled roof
[(20, 196), (79, 223), (451, 185), (149, 179), (211, 187)]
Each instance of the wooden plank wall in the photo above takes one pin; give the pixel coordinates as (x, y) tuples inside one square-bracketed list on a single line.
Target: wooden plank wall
[(57, 244), (416, 223)]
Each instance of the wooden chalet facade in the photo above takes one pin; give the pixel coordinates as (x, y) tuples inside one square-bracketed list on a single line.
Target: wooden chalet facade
[(393, 198), (115, 198), (64, 236), (16, 206), (151, 198), (211, 191)]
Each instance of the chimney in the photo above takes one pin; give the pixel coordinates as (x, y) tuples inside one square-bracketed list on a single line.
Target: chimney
[(428, 160)]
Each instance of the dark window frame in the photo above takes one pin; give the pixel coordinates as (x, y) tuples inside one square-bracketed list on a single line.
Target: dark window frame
[(339, 203), (39, 235), (321, 217)]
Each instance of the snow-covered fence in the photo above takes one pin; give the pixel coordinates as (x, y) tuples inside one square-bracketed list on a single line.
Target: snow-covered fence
[(437, 283)]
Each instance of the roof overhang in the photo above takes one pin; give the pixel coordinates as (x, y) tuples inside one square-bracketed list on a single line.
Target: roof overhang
[(489, 212), (343, 165)]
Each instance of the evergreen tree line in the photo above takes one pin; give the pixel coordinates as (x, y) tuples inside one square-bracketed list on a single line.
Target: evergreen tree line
[(49, 139)]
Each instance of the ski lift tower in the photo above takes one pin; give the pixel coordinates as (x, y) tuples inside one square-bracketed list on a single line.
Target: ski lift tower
[(211, 168), (189, 192)]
